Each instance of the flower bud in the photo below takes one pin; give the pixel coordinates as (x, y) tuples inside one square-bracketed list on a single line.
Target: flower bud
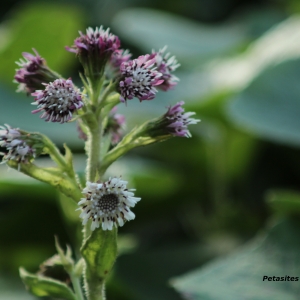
[(94, 49), (15, 146), (33, 72)]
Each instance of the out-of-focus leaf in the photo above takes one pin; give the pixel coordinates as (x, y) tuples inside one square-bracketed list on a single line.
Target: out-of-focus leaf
[(284, 201), (12, 289), (270, 106), (146, 273), (43, 286), (33, 26), (186, 39), (163, 181), (280, 43), (240, 275)]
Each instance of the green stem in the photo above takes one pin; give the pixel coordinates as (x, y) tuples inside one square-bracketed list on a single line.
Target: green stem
[(93, 153), (77, 286), (102, 100), (96, 86), (98, 294), (51, 176), (54, 153), (138, 137)]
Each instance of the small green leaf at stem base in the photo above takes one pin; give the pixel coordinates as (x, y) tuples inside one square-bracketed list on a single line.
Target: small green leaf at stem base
[(44, 286)]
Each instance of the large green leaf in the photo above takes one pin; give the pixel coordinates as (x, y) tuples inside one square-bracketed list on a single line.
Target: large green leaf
[(43, 286), (270, 106), (240, 275), (145, 273), (189, 40)]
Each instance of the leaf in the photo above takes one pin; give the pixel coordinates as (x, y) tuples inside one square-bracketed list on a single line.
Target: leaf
[(240, 275), (99, 252), (12, 289), (279, 44), (270, 106), (284, 202), (186, 39), (145, 273), (43, 286)]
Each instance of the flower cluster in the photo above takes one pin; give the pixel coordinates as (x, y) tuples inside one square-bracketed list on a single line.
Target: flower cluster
[(107, 69), (59, 100), (33, 72), (16, 148), (139, 79), (107, 203)]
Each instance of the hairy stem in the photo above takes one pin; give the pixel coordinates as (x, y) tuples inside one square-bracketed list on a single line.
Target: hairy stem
[(51, 176)]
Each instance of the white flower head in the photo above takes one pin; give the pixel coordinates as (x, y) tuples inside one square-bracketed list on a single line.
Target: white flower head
[(107, 203)]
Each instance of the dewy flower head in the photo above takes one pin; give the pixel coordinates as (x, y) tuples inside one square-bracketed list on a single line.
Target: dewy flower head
[(139, 79), (107, 203), (16, 148), (33, 72), (94, 49), (166, 64), (176, 121), (59, 100)]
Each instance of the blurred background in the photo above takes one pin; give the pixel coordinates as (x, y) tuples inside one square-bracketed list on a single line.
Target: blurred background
[(220, 210)]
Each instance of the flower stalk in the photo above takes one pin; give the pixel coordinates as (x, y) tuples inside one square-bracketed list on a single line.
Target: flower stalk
[(110, 78)]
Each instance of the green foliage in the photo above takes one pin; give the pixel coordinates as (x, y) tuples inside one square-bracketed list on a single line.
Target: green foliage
[(276, 253), (284, 202), (43, 286), (188, 40), (270, 105), (32, 26)]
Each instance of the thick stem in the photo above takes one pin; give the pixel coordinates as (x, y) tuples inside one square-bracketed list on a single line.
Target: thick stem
[(98, 294), (93, 154)]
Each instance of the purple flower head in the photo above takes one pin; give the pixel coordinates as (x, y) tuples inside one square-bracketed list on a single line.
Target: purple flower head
[(59, 100), (177, 121), (139, 79), (115, 125), (15, 147), (166, 64), (94, 49), (33, 72)]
